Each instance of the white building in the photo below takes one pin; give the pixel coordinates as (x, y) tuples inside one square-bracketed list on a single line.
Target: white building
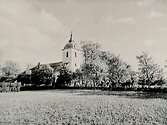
[(72, 58), (72, 55)]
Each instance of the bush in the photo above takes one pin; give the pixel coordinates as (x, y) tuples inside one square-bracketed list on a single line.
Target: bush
[(64, 79), (42, 75), (24, 78)]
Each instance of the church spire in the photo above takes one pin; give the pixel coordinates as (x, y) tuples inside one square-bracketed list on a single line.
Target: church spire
[(70, 38)]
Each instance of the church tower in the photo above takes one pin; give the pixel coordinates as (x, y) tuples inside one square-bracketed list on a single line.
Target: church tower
[(72, 55)]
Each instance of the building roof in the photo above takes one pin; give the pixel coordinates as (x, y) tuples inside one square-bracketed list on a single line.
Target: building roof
[(53, 66), (56, 66), (72, 44)]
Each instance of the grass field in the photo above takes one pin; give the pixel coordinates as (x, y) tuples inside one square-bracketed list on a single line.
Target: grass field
[(81, 107)]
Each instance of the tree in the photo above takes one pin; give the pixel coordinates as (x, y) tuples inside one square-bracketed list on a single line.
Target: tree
[(93, 66), (64, 78), (165, 70), (150, 73), (90, 50), (0, 70), (10, 68), (29, 66), (130, 78), (104, 68), (24, 78), (77, 78), (118, 72), (42, 74)]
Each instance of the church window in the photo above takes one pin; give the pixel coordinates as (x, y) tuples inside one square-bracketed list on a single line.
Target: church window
[(75, 54), (67, 54)]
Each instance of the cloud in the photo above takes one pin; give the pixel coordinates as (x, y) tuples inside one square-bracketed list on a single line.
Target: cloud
[(28, 33), (156, 14), (126, 20), (144, 3), (149, 43), (109, 19)]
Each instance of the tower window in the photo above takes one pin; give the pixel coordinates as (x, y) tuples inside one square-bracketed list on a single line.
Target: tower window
[(75, 54), (67, 54)]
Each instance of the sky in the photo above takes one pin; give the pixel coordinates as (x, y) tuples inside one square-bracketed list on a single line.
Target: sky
[(33, 31)]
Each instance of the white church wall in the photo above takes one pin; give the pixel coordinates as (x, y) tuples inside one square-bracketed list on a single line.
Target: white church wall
[(74, 61)]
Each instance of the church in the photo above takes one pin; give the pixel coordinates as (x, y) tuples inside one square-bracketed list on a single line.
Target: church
[(72, 58), (72, 55)]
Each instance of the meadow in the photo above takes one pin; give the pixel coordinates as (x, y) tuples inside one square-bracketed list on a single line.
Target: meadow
[(85, 107)]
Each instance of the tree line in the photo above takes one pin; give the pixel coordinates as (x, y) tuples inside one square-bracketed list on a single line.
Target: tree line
[(106, 70), (101, 69)]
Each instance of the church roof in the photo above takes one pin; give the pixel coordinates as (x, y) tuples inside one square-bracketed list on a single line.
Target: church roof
[(53, 66), (56, 66), (71, 44)]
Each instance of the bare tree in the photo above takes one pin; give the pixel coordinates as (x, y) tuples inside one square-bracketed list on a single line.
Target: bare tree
[(10, 68), (150, 73)]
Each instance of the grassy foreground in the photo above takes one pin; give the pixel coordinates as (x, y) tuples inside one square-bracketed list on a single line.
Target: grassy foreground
[(80, 107)]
